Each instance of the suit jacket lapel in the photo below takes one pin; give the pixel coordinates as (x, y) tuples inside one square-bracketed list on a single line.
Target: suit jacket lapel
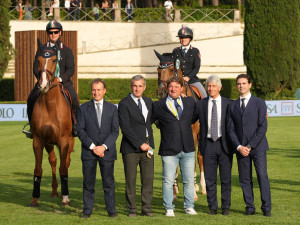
[(134, 105), (205, 109), (223, 112), (93, 112), (165, 107)]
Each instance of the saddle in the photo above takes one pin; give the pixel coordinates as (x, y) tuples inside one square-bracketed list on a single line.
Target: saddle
[(196, 91)]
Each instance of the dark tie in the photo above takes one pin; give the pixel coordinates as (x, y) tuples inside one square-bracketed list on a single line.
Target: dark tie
[(184, 52), (178, 107), (214, 122), (140, 105), (243, 105), (99, 113)]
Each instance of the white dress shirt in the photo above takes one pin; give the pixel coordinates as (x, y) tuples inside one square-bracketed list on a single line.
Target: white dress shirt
[(185, 48), (247, 98), (219, 111), (144, 108), (101, 109), (171, 105)]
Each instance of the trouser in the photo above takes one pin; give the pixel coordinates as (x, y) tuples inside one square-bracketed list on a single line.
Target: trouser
[(213, 157), (259, 159), (200, 88), (131, 160), (31, 100), (89, 170)]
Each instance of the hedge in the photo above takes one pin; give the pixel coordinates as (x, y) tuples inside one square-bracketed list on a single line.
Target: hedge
[(119, 88)]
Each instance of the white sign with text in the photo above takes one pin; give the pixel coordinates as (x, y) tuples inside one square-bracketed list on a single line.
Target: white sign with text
[(18, 112)]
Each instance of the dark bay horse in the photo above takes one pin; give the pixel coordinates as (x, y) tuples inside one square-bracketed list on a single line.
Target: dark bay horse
[(168, 68), (51, 125)]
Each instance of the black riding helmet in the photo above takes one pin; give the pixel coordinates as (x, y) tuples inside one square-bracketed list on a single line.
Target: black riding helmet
[(185, 32), (53, 24)]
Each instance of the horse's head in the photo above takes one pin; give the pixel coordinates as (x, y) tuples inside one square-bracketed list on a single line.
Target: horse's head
[(47, 64), (166, 69)]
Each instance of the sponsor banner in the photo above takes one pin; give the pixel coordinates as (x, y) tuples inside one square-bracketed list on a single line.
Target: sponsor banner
[(18, 112), (13, 112), (283, 108)]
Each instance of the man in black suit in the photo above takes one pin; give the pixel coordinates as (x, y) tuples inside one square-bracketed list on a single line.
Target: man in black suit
[(98, 130), (247, 128), (175, 116), (214, 145), (135, 122)]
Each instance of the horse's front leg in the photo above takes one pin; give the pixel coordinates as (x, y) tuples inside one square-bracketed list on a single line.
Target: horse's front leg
[(53, 161), (63, 171), (202, 178), (38, 147)]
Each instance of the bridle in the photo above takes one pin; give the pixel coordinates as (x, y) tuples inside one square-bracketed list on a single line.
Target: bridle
[(49, 84)]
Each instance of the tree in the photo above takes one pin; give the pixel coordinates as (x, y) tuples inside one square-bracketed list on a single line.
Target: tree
[(272, 46), (6, 48), (215, 2)]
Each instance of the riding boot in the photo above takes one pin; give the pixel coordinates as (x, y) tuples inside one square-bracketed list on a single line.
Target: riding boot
[(74, 123)]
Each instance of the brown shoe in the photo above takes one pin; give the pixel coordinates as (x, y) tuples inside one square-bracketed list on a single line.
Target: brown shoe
[(147, 214), (225, 212), (132, 215), (212, 212), (113, 215)]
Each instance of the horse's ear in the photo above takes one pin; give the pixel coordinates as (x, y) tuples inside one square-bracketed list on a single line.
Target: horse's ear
[(159, 56), (39, 43)]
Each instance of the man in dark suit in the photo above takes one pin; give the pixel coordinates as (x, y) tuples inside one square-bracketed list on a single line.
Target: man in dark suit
[(175, 116), (135, 122), (98, 130), (247, 127), (214, 145)]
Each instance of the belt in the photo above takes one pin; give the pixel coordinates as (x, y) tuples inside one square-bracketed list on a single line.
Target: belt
[(219, 139)]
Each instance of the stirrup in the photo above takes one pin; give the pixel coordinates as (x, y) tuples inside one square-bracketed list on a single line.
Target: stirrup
[(27, 132)]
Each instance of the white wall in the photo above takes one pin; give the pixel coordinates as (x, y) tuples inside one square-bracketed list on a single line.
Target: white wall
[(219, 43)]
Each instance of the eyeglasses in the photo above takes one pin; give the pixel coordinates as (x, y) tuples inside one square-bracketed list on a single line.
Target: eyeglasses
[(53, 32)]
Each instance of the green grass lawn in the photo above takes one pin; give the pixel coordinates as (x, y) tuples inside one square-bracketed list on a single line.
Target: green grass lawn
[(16, 183)]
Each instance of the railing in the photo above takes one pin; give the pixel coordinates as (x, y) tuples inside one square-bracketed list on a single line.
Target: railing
[(139, 15)]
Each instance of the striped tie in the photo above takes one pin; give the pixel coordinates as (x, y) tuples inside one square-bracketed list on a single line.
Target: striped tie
[(214, 122)]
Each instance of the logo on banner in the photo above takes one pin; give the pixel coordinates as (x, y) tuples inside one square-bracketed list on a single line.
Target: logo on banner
[(287, 108)]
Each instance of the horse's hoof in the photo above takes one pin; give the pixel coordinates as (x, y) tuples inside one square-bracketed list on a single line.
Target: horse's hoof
[(65, 204), (54, 195), (34, 204), (174, 198)]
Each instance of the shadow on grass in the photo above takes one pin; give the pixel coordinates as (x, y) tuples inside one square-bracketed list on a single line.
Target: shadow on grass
[(20, 193), (290, 153)]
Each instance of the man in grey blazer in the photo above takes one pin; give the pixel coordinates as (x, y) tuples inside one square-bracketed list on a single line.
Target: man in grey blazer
[(135, 122), (98, 130), (247, 128), (214, 145)]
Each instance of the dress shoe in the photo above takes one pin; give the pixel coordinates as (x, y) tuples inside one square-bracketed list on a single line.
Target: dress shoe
[(225, 212), (85, 216), (132, 215), (113, 215), (212, 212), (149, 214), (248, 213), (267, 213)]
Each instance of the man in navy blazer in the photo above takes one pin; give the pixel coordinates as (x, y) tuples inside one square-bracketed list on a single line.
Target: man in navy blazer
[(214, 146), (98, 130), (175, 116), (135, 112), (247, 127)]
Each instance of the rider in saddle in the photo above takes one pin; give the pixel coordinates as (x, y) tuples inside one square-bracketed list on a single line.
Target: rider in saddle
[(66, 70), (190, 59)]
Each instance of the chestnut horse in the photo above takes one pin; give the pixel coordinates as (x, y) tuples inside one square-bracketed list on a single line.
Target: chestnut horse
[(51, 125), (168, 68)]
